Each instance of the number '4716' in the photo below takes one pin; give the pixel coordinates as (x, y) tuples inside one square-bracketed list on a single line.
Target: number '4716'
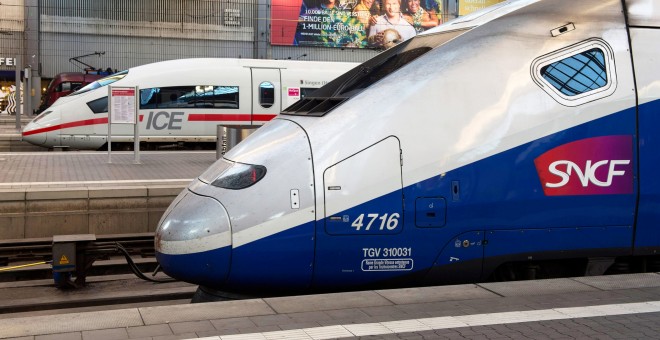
[(390, 222)]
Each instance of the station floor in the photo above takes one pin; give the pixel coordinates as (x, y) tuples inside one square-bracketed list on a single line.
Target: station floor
[(606, 307), (56, 169)]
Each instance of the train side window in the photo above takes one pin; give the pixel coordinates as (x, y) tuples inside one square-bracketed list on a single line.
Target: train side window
[(225, 97), (578, 74), (202, 96), (177, 97), (218, 97), (149, 98), (266, 94), (99, 105)]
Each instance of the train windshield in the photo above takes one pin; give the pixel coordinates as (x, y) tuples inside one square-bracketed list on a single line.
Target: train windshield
[(356, 80), (101, 82)]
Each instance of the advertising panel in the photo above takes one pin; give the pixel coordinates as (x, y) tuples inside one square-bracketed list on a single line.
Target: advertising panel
[(351, 23), (466, 7)]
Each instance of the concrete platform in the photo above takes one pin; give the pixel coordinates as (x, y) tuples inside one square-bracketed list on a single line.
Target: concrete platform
[(53, 193), (611, 307)]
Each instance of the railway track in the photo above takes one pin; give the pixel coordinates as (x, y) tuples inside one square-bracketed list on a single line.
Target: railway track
[(19, 252), (27, 284)]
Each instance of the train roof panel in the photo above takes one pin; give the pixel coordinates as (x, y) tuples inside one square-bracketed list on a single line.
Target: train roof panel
[(480, 17)]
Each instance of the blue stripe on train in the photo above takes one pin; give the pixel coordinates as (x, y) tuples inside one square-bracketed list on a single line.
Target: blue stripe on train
[(497, 198), (208, 268), (647, 238), (283, 261)]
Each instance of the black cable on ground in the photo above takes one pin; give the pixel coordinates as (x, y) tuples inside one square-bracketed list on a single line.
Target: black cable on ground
[(135, 269)]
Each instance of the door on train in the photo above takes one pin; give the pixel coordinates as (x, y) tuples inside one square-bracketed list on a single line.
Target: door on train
[(266, 98), (647, 238), (363, 239)]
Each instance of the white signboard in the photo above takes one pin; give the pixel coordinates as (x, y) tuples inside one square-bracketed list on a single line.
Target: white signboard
[(7, 61), (123, 105), (122, 109)]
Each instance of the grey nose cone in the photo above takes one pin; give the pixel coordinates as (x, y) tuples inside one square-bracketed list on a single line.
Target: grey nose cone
[(195, 224)]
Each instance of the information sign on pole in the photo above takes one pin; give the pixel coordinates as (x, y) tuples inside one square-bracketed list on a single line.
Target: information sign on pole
[(122, 109)]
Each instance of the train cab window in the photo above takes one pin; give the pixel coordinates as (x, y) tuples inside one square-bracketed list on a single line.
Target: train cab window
[(68, 86), (578, 74), (99, 105), (266, 94)]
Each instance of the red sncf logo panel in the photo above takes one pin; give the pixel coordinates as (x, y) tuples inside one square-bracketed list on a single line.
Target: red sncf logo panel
[(592, 166)]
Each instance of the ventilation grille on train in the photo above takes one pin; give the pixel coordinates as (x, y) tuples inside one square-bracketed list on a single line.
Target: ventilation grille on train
[(315, 107)]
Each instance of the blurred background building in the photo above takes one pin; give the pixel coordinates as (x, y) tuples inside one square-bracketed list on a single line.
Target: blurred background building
[(39, 37)]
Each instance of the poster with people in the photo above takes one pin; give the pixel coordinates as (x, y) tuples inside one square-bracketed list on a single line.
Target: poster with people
[(351, 23), (466, 7)]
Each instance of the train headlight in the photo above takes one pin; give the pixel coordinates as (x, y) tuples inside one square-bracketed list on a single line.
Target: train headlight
[(232, 175)]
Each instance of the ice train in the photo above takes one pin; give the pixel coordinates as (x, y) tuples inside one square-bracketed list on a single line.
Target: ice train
[(517, 142), (182, 101)]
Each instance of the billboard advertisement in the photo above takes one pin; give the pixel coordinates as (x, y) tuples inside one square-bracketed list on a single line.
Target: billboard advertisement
[(466, 7), (351, 23)]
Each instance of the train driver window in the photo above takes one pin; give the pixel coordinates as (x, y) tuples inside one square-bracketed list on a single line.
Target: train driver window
[(266, 94), (67, 87), (99, 105), (577, 74)]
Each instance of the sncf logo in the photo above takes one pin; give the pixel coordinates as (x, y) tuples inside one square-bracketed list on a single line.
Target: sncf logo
[(592, 166)]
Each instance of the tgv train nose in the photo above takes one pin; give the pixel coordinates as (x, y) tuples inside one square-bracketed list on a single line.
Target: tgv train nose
[(193, 240), (33, 133)]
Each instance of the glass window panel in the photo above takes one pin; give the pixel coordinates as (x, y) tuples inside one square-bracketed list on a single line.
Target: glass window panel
[(577, 74), (266, 94), (99, 106), (202, 96), (225, 97), (102, 82), (149, 98), (177, 97)]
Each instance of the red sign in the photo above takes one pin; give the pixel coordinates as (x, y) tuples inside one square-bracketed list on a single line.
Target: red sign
[(592, 166)]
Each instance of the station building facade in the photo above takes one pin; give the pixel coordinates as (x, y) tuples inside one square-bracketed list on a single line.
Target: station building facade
[(41, 36)]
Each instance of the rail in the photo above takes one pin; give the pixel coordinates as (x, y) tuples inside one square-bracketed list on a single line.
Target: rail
[(65, 261)]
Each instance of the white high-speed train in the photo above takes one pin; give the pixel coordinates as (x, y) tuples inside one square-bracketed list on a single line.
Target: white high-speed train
[(182, 101), (518, 142)]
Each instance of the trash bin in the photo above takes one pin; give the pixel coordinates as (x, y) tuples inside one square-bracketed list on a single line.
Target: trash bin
[(229, 136)]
